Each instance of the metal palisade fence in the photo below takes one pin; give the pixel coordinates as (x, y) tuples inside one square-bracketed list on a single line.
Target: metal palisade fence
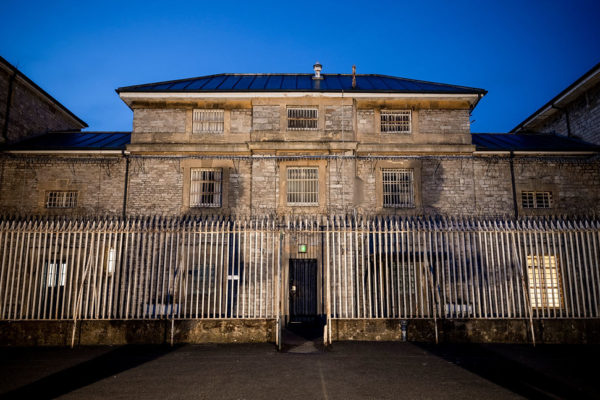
[(380, 267)]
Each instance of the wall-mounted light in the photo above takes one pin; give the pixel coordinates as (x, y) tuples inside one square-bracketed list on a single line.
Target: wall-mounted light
[(302, 248)]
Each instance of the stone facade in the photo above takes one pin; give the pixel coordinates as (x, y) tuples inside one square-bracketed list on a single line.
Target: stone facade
[(30, 110), (581, 118)]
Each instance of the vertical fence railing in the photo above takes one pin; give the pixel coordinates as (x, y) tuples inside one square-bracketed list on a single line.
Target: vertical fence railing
[(462, 268), (142, 268), (386, 267)]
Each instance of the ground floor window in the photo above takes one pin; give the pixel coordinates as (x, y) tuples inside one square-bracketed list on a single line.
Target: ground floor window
[(61, 199), (398, 187), (206, 187), (544, 282), (303, 186)]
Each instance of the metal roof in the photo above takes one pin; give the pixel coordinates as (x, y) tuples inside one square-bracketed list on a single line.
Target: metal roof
[(75, 141), (529, 142), (366, 83)]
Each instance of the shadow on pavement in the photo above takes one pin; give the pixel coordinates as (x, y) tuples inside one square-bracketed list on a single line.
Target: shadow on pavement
[(88, 372), (515, 375)]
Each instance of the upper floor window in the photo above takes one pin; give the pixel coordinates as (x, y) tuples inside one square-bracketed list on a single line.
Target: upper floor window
[(536, 199), (61, 199), (205, 187), (398, 187), (395, 121), (208, 121), (303, 186), (302, 118), (544, 281)]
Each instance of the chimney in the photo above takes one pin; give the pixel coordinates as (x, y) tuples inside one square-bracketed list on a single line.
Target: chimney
[(317, 67), (354, 77)]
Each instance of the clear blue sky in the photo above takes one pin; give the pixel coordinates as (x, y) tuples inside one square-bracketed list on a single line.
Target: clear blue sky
[(522, 52)]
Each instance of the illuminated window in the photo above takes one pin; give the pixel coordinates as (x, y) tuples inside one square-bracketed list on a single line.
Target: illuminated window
[(544, 282), (536, 199), (56, 274), (302, 118), (205, 187), (398, 188), (111, 261), (61, 199), (395, 121), (208, 121), (303, 186)]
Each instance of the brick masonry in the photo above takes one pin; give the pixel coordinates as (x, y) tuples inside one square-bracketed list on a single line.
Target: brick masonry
[(584, 118), (31, 112)]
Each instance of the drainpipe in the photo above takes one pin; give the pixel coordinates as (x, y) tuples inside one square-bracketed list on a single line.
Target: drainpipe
[(125, 185), (512, 180), (568, 120), (8, 101)]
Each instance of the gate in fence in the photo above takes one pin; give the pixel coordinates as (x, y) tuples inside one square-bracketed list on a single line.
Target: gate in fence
[(336, 267)]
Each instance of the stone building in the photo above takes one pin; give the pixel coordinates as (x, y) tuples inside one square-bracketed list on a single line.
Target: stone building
[(574, 112), (26, 110), (250, 148), (300, 144)]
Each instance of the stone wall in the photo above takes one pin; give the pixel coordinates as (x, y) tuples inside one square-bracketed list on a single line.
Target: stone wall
[(444, 121), (443, 186), (265, 118), (31, 112), (155, 187), (159, 120), (24, 182), (583, 115)]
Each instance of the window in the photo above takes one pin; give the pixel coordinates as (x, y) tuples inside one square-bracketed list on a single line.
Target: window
[(395, 121), (61, 199), (302, 118), (398, 188), (544, 282), (303, 186), (56, 274), (205, 187), (208, 121), (536, 199), (111, 260)]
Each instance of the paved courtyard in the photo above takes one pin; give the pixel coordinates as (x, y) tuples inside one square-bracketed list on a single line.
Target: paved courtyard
[(350, 370)]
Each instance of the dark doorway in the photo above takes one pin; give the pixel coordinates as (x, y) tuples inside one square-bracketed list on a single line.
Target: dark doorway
[(303, 290), (304, 330)]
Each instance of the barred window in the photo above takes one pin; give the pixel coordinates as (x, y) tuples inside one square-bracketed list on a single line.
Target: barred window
[(205, 187), (536, 199), (544, 282), (398, 188), (302, 118), (395, 121), (61, 199), (208, 121), (303, 186)]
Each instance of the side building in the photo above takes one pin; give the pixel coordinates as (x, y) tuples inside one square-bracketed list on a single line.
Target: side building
[(26, 110), (574, 112)]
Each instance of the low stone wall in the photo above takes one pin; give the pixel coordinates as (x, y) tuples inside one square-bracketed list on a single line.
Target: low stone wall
[(118, 332), (572, 331)]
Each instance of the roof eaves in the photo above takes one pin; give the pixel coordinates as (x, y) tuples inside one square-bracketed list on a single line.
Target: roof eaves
[(42, 91), (592, 72)]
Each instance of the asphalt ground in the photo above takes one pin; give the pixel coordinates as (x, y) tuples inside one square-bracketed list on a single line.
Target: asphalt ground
[(348, 370)]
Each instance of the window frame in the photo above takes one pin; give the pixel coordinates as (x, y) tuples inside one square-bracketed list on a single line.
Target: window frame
[(291, 109), (390, 124), (201, 193), (532, 198), (64, 199), (303, 182), (399, 183), (208, 124), (544, 293)]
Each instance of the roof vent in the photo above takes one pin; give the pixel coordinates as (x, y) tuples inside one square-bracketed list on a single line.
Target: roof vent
[(317, 67)]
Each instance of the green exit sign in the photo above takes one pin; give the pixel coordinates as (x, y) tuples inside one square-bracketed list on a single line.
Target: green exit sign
[(301, 248)]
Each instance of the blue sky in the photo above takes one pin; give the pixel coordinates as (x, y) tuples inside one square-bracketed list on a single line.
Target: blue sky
[(522, 52)]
